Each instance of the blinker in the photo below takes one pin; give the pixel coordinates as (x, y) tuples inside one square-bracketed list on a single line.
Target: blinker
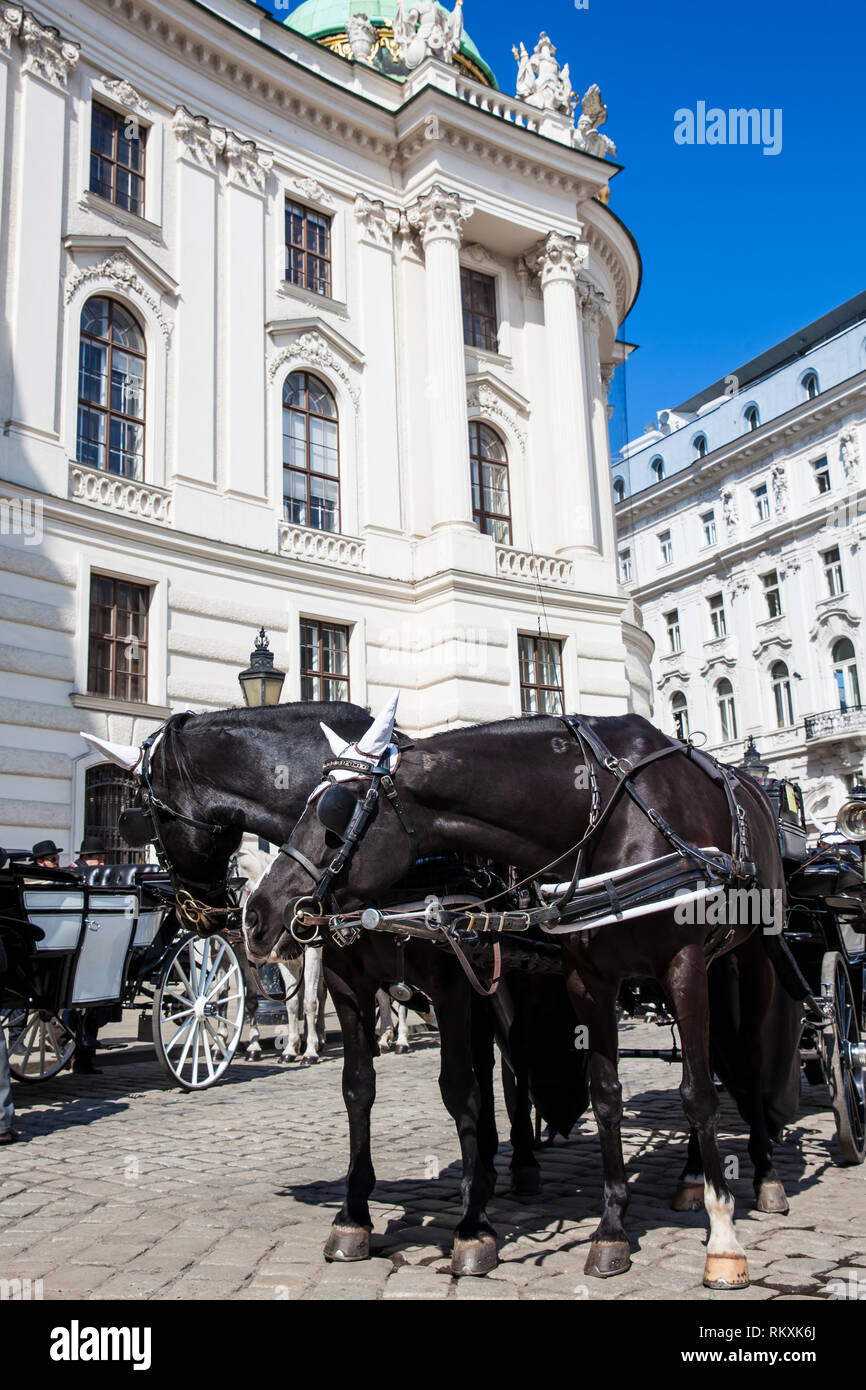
[(135, 827), (335, 809)]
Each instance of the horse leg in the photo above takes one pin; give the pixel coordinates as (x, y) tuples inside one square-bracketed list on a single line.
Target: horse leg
[(594, 1000), (401, 1046), (689, 1195), (356, 1010), (757, 982), (312, 969), (686, 981), (483, 1062), (251, 1007), (525, 1169), (386, 1021), (293, 1041), (321, 995)]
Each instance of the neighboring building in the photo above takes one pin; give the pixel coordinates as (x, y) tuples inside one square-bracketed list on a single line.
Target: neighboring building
[(298, 340), (741, 535)]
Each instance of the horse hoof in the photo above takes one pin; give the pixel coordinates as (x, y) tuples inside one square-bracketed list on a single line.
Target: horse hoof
[(770, 1196), (474, 1256), (401, 1050), (689, 1196), (607, 1257), (726, 1272), (311, 1060), (347, 1243), (525, 1182)]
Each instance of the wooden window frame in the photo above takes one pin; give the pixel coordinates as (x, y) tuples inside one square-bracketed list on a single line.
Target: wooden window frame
[(476, 465), (483, 334), (107, 410), (321, 675), (119, 120), (309, 472), (117, 642), (536, 686), (835, 575), (306, 251), (718, 616), (770, 583)]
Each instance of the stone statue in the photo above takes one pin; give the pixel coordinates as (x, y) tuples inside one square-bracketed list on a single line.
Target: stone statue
[(541, 81), (780, 488), (427, 30), (588, 137), (362, 38), (729, 508), (849, 455)]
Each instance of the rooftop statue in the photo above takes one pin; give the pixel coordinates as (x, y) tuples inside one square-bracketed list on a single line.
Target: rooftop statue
[(541, 81), (425, 29), (362, 38), (588, 137)]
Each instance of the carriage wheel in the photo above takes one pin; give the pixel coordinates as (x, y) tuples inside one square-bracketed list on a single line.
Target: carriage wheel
[(199, 1011), (39, 1045), (844, 1060)]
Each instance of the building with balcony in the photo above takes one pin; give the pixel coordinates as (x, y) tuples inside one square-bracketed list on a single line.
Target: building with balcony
[(302, 330), (741, 523)]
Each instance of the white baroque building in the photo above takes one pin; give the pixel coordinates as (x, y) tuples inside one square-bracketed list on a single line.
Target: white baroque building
[(741, 525), (296, 334)]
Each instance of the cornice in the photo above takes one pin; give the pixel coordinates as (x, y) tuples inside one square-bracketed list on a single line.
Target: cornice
[(77, 243)]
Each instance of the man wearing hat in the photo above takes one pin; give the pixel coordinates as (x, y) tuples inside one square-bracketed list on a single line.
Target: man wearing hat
[(92, 852), (47, 855)]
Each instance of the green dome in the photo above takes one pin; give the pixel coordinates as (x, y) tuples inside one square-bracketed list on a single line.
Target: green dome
[(326, 20)]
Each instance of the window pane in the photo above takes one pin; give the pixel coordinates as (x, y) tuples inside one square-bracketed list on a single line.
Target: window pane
[(92, 372)]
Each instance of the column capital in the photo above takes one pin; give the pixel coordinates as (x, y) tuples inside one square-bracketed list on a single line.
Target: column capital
[(47, 53), (248, 166), (378, 224), (11, 19), (440, 213), (557, 257)]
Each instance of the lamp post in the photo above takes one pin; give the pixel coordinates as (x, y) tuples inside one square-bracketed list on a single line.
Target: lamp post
[(752, 761), (261, 682)]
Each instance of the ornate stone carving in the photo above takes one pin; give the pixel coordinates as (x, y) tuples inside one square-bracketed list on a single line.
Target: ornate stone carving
[(125, 94), (739, 584), (362, 38), (780, 488), (729, 508), (198, 138), (308, 188), (539, 569), (322, 547), (557, 257), (426, 30), (47, 54), (120, 270), (11, 19), (378, 223), (441, 212), (588, 137), (593, 304), (541, 81), (485, 400), (607, 371), (247, 164), (849, 454), (120, 494), (311, 347)]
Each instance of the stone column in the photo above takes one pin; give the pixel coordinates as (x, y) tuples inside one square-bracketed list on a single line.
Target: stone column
[(593, 304), (556, 259), (439, 215), (380, 490)]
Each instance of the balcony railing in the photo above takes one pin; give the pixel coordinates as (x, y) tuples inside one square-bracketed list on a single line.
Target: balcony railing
[(836, 721)]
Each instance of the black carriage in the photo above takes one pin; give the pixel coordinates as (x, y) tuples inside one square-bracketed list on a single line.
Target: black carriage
[(74, 941)]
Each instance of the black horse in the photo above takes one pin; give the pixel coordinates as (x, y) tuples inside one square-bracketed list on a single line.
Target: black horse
[(507, 792)]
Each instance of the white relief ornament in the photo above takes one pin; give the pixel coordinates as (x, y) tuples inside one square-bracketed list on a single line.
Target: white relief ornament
[(849, 454), (378, 222), (309, 188), (47, 54), (125, 94), (780, 488), (440, 212), (587, 136), (541, 82), (120, 271), (248, 166), (729, 509), (557, 257), (425, 29), (198, 137), (312, 348), (362, 38), (11, 19)]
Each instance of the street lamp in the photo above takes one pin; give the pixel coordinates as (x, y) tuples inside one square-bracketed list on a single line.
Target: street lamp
[(752, 761), (261, 682)]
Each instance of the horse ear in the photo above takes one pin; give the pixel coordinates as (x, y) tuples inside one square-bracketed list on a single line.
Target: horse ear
[(338, 744), (122, 754), (378, 738)]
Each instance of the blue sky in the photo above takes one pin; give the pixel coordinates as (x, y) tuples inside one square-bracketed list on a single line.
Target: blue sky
[(739, 248)]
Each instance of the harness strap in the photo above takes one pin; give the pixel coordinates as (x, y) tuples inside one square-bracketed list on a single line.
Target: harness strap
[(302, 859), (470, 973)]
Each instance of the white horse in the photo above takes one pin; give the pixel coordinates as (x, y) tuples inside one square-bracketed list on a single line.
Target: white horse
[(389, 1037)]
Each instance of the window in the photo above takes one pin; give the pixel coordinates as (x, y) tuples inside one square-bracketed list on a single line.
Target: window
[(480, 324), (708, 521), (658, 467), (491, 507), (752, 417), (833, 571), (111, 383), (324, 661), (541, 690), (821, 474), (701, 446), (666, 549), (810, 385), (308, 249), (625, 566), (718, 618), (618, 489), (311, 454), (672, 623), (727, 711), (117, 159), (762, 502), (782, 695), (680, 715), (845, 672), (117, 655), (772, 594), (108, 792)]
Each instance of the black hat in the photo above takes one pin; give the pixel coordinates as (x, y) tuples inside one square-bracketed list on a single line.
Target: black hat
[(93, 844), (44, 849)]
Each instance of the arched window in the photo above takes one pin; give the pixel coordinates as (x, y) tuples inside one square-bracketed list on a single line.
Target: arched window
[(658, 467), (491, 503), (618, 490), (752, 417), (845, 671), (311, 453), (701, 446), (680, 715), (727, 710), (108, 791), (810, 385), (111, 382), (782, 694)]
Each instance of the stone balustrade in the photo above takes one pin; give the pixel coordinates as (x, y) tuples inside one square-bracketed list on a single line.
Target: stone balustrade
[(117, 494), (539, 569), (322, 547)]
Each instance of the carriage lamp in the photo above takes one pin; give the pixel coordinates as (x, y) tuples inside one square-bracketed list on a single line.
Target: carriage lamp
[(752, 761), (261, 682)]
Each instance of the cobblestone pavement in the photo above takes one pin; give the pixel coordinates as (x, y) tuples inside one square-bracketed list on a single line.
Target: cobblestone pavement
[(130, 1189)]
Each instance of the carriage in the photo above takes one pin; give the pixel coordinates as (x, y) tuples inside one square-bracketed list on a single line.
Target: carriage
[(109, 935)]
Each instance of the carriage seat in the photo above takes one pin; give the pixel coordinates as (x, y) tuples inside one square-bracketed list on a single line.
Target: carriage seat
[(832, 874), (111, 875)]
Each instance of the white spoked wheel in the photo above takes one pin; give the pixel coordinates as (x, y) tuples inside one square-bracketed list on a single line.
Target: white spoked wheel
[(198, 1011), (39, 1045)]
